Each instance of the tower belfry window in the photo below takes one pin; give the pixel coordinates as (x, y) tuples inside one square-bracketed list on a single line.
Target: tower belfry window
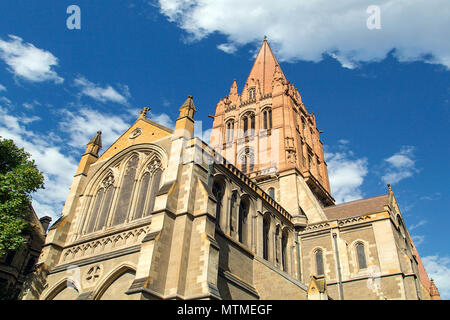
[(229, 131), (252, 93), (267, 118), (248, 123)]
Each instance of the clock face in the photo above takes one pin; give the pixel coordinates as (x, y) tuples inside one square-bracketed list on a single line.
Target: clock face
[(136, 133)]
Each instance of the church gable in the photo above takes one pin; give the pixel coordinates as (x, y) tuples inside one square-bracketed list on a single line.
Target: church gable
[(142, 131)]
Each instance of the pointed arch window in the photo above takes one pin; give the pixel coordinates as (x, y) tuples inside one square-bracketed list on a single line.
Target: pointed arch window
[(126, 192), (266, 228), (102, 205), (95, 210), (272, 193), (361, 256), (103, 218), (232, 209), (319, 262), (252, 93), (267, 118), (229, 131), (149, 187), (284, 239), (242, 220), (218, 190), (248, 124), (247, 160)]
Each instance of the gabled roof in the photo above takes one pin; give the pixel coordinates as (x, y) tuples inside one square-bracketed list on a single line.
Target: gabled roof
[(264, 68), (357, 207)]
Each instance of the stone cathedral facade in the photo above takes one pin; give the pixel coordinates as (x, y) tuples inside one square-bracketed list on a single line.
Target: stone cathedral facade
[(161, 214)]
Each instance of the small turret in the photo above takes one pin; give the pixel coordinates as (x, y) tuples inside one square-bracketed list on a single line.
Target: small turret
[(184, 127), (91, 154)]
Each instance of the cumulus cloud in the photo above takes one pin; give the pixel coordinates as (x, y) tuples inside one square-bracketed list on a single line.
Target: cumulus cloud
[(83, 124), (58, 168), (102, 94), (400, 166), (346, 174), (2, 87), (438, 268), (28, 62), (163, 119), (305, 30)]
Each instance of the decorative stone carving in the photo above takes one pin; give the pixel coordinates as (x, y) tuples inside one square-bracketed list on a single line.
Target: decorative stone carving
[(154, 164), (93, 274), (105, 244), (135, 133), (109, 180)]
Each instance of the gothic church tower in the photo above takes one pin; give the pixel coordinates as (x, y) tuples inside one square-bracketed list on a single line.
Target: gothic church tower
[(268, 133)]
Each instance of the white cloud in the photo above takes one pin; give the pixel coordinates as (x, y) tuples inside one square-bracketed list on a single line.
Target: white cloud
[(400, 165), (102, 94), (2, 88), (83, 124), (58, 168), (418, 224), (438, 268), (227, 47), (303, 29), (162, 119), (31, 105), (28, 62), (346, 175), (418, 239), (5, 101)]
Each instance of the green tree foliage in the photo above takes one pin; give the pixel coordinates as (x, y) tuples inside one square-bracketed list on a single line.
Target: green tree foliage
[(19, 177)]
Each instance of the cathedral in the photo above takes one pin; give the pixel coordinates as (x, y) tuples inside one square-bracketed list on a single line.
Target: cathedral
[(161, 214)]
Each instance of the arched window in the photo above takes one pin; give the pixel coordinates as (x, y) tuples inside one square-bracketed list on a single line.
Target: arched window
[(102, 219), (143, 190), (252, 93), (319, 262), (284, 239), (242, 220), (272, 193), (95, 211), (267, 118), (102, 205), (303, 125), (266, 228), (126, 192), (277, 249), (361, 256), (229, 131), (248, 123), (247, 159), (218, 191), (149, 187)]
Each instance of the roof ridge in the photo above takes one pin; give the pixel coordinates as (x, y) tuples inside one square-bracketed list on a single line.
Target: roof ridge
[(358, 200)]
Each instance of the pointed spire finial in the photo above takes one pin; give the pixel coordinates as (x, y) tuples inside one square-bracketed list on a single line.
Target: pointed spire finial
[(189, 104), (265, 38), (97, 140)]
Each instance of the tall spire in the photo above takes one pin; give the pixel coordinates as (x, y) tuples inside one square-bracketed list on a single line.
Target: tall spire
[(264, 68)]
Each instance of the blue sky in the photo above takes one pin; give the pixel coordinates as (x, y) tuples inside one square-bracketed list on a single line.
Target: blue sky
[(381, 96)]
